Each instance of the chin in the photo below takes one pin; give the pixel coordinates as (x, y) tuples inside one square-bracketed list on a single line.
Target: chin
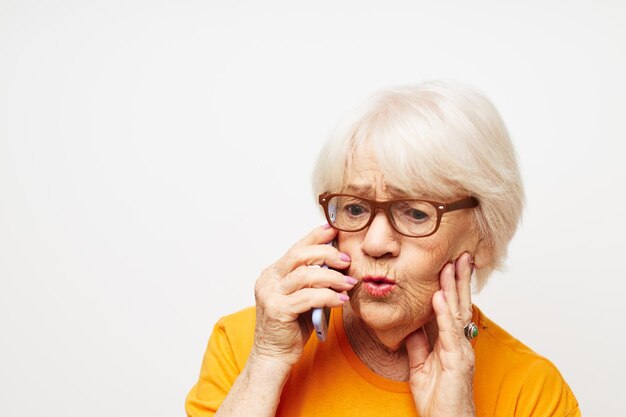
[(379, 316), (386, 316)]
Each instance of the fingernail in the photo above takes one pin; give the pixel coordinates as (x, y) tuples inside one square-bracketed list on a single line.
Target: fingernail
[(344, 257), (326, 226), (343, 297), (350, 280)]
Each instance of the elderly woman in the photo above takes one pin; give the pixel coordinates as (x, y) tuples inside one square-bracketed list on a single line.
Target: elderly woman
[(422, 194)]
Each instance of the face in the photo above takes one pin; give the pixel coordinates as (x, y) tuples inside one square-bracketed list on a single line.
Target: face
[(398, 275)]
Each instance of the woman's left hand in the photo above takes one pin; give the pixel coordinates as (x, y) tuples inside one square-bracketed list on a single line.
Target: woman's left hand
[(441, 380)]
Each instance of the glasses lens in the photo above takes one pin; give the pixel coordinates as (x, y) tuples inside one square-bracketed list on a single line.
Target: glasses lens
[(414, 218), (410, 217), (349, 213)]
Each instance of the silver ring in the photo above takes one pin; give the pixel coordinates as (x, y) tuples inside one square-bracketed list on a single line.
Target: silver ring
[(470, 331)]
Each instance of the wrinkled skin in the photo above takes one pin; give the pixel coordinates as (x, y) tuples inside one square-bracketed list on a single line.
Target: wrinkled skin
[(416, 332)]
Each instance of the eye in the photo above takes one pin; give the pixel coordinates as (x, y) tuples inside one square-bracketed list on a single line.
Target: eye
[(417, 214), (413, 212), (355, 209)]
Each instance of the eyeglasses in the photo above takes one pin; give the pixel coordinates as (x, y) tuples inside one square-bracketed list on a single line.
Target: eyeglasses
[(409, 217)]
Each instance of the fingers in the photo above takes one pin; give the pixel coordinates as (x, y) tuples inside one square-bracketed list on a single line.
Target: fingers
[(445, 376), (453, 304), (304, 276), (293, 284), (312, 255), (450, 332), (449, 288), (321, 234), (463, 274), (417, 349), (455, 280), (307, 298), (313, 249), (286, 291)]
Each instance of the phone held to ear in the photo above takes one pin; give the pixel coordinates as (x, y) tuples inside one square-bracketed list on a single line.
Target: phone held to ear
[(321, 316)]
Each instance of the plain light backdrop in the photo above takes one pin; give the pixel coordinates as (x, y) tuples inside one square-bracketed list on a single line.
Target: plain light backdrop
[(156, 155)]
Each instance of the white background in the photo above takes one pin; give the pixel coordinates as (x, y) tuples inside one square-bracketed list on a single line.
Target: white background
[(156, 155)]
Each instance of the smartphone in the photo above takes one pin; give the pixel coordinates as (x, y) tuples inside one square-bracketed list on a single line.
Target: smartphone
[(321, 316)]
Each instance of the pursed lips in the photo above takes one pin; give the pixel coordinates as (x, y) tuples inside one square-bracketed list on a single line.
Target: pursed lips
[(378, 286), (378, 280)]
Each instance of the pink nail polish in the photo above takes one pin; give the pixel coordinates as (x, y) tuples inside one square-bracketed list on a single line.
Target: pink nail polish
[(344, 257), (343, 297), (327, 226), (350, 280)]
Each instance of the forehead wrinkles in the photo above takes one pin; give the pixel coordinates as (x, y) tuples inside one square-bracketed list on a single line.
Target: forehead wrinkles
[(366, 180), (373, 187), (364, 176), (371, 183)]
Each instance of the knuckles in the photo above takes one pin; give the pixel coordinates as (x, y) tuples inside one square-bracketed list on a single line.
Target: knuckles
[(468, 314), (290, 257)]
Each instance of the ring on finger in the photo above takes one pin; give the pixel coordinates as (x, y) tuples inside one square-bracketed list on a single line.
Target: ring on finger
[(470, 330)]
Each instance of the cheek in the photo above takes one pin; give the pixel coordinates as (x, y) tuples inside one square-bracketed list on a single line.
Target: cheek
[(348, 243), (458, 235), (445, 246), (422, 263), (417, 289), (418, 263)]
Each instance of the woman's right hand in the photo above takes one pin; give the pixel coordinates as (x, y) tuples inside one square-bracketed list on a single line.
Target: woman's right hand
[(287, 290)]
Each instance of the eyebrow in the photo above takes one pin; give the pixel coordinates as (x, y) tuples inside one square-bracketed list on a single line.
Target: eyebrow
[(368, 190), (360, 188)]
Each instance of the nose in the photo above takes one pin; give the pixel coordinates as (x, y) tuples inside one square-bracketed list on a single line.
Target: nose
[(380, 238)]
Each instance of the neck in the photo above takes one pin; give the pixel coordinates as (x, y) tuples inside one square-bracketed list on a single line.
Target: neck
[(382, 352)]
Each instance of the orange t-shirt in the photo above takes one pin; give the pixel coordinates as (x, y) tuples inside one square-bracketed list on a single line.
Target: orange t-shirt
[(330, 380)]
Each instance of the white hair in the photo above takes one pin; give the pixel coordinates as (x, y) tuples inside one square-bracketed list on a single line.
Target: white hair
[(435, 139)]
